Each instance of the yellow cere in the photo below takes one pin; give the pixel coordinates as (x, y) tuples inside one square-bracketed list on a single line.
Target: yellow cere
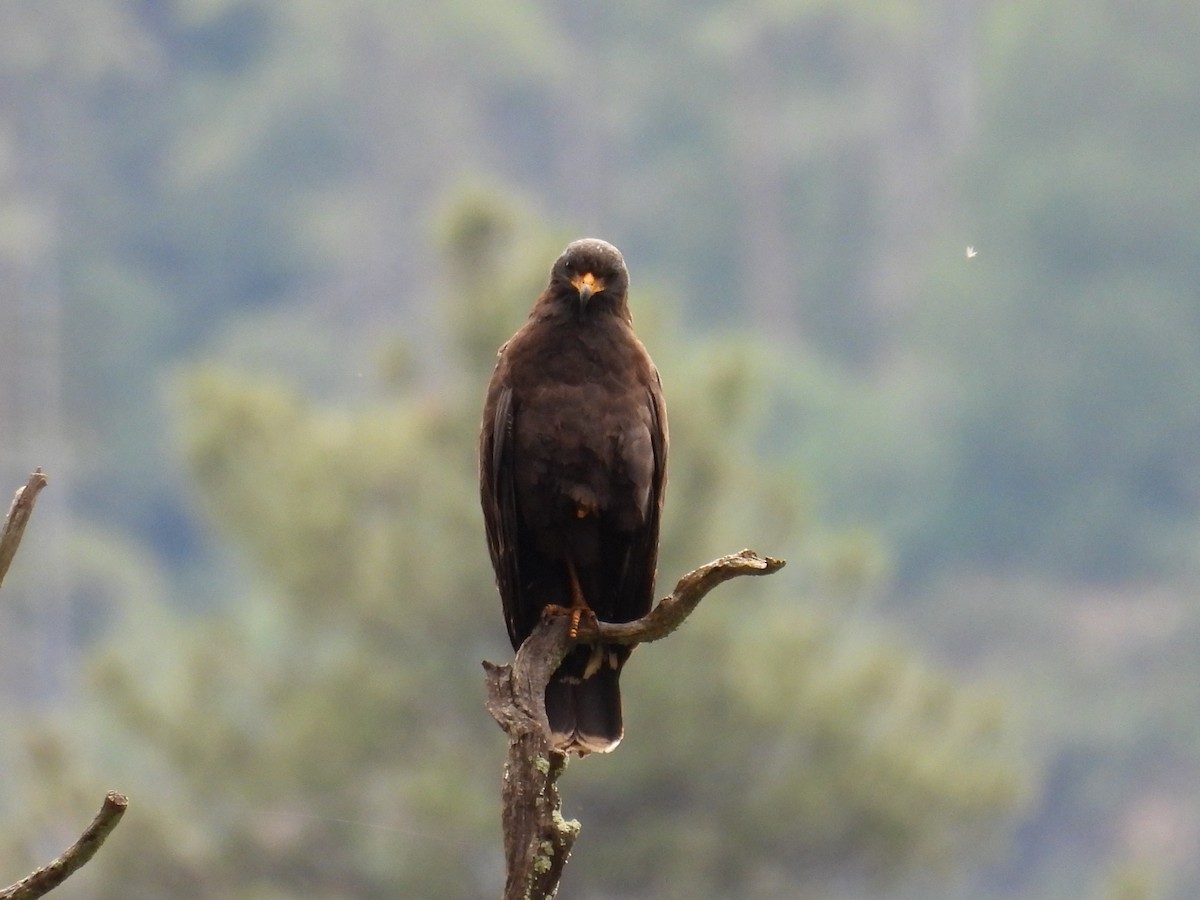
[(596, 284)]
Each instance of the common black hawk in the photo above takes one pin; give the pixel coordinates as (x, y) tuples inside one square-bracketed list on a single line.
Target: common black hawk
[(572, 463)]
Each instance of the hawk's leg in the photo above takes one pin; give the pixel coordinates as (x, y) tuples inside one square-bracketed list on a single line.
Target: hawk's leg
[(579, 604), (579, 610)]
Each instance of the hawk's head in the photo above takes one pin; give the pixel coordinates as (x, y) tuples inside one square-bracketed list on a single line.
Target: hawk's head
[(590, 274)]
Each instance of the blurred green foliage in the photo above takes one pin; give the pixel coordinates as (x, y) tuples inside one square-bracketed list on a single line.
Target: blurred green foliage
[(288, 202)]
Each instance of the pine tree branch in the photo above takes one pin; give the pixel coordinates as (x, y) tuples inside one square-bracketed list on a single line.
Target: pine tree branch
[(537, 840), (47, 878), (18, 518)]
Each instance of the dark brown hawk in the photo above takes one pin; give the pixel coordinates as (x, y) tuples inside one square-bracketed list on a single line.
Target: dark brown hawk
[(572, 467)]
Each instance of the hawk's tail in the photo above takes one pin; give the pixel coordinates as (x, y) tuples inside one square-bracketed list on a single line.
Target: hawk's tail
[(583, 700)]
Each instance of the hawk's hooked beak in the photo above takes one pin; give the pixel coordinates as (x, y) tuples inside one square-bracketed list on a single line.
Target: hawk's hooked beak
[(587, 285)]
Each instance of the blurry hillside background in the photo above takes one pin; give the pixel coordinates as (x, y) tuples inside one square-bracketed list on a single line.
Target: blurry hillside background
[(255, 260)]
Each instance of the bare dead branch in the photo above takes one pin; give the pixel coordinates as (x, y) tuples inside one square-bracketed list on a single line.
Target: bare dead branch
[(537, 840), (673, 609), (47, 878), (18, 517)]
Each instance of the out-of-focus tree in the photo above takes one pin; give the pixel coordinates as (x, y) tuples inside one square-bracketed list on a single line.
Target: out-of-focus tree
[(322, 735)]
